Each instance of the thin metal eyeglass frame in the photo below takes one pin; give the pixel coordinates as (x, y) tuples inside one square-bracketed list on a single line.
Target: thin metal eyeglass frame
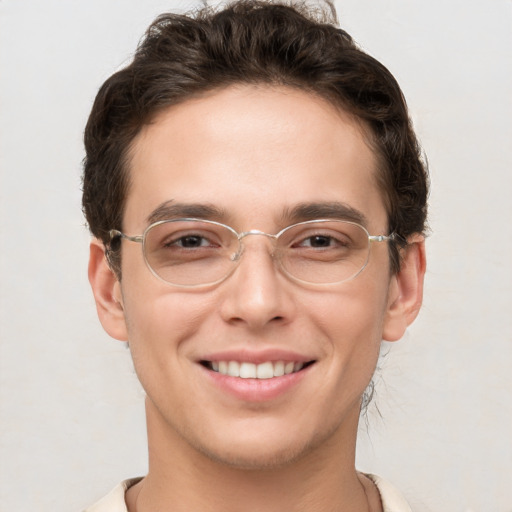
[(114, 233)]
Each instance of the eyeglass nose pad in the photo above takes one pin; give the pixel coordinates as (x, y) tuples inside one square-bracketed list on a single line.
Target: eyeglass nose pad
[(237, 255)]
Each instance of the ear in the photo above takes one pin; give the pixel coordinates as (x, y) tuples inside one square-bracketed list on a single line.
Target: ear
[(406, 290), (106, 289)]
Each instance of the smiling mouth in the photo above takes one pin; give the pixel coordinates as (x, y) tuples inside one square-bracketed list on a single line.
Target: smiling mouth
[(246, 370)]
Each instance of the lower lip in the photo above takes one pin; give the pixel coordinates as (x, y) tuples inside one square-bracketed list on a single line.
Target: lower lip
[(256, 390)]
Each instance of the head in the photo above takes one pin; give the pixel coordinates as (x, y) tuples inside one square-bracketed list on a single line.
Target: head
[(258, 116), (252, 43)]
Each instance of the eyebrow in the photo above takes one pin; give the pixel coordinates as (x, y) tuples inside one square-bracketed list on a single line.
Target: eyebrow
[(328, 210), (172, 210), (299, 213)]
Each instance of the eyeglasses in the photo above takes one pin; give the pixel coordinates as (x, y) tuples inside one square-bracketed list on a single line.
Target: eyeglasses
[(193, 252)]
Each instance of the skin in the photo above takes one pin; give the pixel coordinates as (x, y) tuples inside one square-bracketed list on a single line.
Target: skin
[(296, 451)]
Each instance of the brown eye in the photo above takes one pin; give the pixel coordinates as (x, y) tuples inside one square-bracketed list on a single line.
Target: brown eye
[(319, 241), (191, 242), (323, 241)]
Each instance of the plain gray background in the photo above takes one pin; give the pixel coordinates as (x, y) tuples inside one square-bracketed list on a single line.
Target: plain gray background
[(71, 409)]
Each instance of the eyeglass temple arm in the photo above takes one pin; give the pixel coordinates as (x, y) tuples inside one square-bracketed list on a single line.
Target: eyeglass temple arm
[(382, 238), (115, 233)]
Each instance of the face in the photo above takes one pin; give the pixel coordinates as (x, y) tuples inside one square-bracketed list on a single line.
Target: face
[(253, 155)]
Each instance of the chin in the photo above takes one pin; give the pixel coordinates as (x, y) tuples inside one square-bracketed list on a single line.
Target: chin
[(264, 450), (256, 458)]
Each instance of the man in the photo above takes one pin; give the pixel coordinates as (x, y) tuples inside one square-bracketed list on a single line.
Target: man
[(257, 201)]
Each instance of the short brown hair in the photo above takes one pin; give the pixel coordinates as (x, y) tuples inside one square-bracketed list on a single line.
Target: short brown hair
[(251, 42)]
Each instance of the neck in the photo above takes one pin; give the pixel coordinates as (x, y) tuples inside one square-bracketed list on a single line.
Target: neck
[(182, 478)]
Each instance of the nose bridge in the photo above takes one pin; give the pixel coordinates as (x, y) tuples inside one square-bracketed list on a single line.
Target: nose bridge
[(256, 294), (244, 234)]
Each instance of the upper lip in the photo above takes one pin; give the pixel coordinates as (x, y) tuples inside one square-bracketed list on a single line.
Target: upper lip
[(257, 356)]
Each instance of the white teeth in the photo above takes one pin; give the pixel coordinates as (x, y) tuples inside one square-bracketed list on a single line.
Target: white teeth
[(248, 371), (278, 369), (265, 370), (233, 369), (297, 367)]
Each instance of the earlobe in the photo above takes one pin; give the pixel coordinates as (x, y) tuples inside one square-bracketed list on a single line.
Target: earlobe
[(107, 292), (406, 290)]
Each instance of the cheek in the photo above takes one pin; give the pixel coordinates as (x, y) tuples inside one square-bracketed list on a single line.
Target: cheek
[(160, 327), (159, 322), (352, 322), (354, 312), (159, 317), (156, 314)]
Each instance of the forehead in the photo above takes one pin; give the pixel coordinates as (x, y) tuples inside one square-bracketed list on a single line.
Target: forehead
[(252, 153)]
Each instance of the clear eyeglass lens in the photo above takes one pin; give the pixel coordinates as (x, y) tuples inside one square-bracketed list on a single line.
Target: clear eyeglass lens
[(192, 253), (324, 252)]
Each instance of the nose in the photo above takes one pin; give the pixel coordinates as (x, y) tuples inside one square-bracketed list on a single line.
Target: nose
[(257, 293)]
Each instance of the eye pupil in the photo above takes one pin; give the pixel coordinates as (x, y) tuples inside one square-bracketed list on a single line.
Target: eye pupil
[(320, 241), (191, 241)]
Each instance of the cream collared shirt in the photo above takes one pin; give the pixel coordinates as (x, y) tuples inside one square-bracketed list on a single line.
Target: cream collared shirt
[(392, 500)]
